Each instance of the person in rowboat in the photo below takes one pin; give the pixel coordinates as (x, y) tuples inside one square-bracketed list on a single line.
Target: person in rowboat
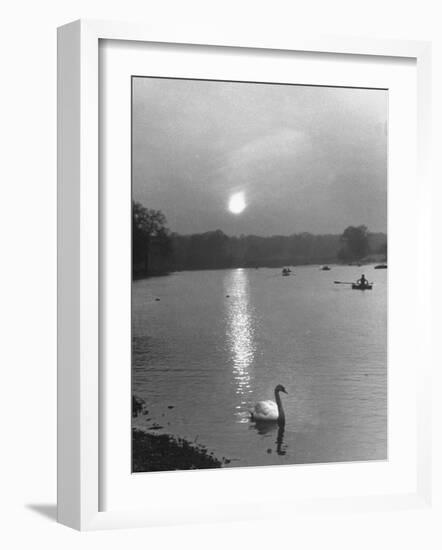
[(362, 282)]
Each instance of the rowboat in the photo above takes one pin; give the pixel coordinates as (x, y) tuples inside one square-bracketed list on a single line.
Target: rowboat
[(361, 287)]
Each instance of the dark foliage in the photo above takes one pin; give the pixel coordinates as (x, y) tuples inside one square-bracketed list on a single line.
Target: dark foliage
[(383, 249), (155, 453), (355, 243), (151, 245), (156, 251)]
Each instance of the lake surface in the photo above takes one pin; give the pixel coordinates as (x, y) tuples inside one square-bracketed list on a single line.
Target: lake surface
[(212, 357)]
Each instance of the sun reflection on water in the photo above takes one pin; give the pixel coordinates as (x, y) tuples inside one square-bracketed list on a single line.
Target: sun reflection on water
[(240, 337)]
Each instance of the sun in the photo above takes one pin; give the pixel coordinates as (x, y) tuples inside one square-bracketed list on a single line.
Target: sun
[(237, 203)]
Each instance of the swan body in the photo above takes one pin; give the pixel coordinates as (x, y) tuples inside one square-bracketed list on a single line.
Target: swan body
[(265, 410), (270, 411)]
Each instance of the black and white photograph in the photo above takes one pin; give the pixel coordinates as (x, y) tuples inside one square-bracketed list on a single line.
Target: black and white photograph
[(259, 274)]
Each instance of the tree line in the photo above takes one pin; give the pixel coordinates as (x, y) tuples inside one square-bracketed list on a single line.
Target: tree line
[(157, 251)]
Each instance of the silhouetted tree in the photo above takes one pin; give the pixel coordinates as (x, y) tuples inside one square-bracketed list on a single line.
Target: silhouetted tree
[(151, 245), (354, 243)]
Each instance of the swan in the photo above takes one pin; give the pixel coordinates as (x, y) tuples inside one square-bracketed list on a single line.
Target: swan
[(269, 411)]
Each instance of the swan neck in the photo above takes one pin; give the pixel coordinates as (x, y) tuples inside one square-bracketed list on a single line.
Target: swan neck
[(281, 414)]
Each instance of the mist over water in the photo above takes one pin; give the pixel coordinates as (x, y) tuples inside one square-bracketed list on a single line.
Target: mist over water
[(217, 342)]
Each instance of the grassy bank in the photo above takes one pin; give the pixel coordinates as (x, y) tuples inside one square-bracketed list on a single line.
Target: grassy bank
[(156, 453)]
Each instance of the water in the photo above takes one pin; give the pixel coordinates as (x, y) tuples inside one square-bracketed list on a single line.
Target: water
[(212, 357)]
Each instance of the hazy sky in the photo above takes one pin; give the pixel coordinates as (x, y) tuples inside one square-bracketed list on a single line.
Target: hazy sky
[(305, 158)]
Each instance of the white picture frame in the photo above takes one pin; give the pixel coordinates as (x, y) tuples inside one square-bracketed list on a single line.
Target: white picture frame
[(79, 294)]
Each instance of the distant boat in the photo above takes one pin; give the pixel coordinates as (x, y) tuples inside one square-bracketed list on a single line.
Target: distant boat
[(325, 268), (381, 266), (286, 272)]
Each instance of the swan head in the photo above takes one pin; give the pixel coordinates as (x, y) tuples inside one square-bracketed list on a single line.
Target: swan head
[(280, 388)]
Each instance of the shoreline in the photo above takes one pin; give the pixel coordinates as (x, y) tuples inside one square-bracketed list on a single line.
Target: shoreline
[(364, 263), (164, 452)]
